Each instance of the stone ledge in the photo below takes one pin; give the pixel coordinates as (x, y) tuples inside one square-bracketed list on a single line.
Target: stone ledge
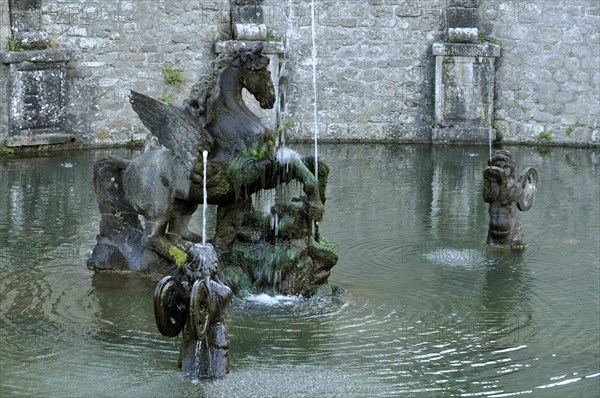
[(275, 47), (35, 56), (463, 133), (466, 50), (39, 139)]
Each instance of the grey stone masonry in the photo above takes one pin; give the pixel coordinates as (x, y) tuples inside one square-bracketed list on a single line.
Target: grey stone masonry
[(374, 62), (121, 45), (26, 24), (548, 78)]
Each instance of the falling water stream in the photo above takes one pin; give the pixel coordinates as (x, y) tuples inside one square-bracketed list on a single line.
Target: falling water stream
[(204, 195), (490, 140), (428, 311), (315, 100), (315, 93)]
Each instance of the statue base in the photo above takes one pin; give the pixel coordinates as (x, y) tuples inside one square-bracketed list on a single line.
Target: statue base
[(278, 252)]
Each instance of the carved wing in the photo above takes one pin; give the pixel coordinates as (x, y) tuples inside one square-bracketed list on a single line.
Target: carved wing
[(175, 128)]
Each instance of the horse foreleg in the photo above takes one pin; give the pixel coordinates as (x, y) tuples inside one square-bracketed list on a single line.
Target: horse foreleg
[(155, 228), (314, 190), (179, 223), (323, 174), (268, 174)]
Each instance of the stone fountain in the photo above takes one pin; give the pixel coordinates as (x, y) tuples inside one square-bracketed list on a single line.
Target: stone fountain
[(278, 252)]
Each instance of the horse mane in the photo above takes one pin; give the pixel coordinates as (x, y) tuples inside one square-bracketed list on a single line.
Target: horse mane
[(203, 88)]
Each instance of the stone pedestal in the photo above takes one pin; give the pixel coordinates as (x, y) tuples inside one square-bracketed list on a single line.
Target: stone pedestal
[(464, 77), (464, 91), (35, 92)]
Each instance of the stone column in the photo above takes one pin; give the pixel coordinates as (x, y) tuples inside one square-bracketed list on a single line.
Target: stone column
[(464, 77)]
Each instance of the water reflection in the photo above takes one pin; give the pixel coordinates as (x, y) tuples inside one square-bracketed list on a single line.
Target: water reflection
[(429, 311)]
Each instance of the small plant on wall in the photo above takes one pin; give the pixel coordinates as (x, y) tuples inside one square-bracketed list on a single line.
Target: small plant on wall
[(172, 76), (545, 136), (166, 98), (569, 131), (270, 35), (14, 44)]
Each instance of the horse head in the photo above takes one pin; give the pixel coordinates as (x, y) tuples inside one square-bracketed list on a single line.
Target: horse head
[(255, 75)]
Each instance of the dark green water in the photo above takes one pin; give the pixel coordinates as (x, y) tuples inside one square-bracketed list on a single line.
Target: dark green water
[(428, 311)]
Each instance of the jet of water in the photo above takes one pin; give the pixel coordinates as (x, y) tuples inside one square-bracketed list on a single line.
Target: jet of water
[(204, 195), (315, 116), (490, 139), (314, 66)]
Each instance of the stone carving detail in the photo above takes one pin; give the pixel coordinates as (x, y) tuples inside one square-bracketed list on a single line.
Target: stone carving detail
[(164, 184), (194, 303), (505, 197)]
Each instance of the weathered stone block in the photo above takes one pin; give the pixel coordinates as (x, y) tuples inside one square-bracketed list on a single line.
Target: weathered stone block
[(461, 17), (463, 3), (463, 35), (249, 31), (247, 14), (36, 92)]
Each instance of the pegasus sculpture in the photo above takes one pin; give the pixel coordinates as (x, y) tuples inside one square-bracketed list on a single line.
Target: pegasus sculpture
[(163, 184)]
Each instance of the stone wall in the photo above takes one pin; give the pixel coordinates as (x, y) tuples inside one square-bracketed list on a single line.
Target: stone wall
[(548, 78), (375, 68), (121, 45), (374, 63)]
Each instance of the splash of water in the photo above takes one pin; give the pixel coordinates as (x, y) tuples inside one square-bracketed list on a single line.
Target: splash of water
[(197, 360), (204, 194), (265, 299), (286, 156), (203, 261)]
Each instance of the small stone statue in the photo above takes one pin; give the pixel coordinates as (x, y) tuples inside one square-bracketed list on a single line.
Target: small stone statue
[(194, 303), (506, 196)]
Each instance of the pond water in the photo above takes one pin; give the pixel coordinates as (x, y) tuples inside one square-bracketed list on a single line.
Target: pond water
[(428, 311)]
